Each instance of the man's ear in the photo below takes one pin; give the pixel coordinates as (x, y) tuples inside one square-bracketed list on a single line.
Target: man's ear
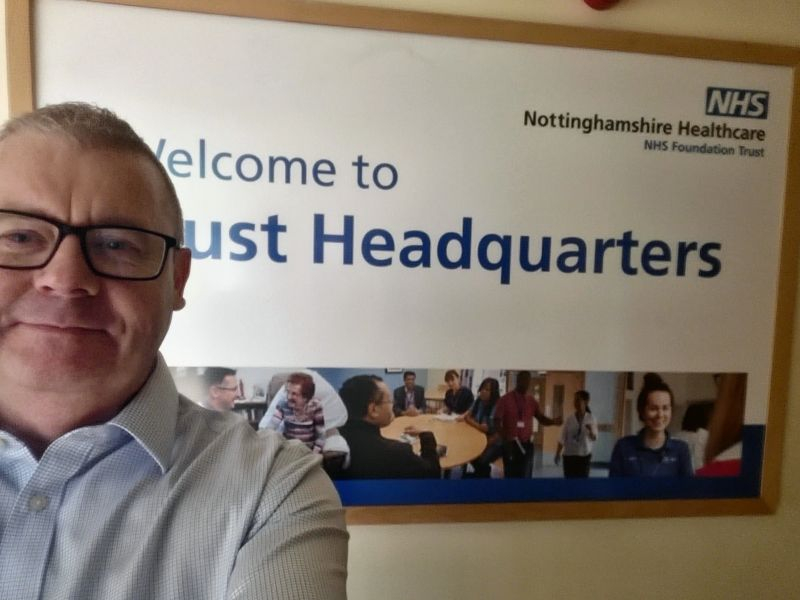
[(182, 260), (372, 411)]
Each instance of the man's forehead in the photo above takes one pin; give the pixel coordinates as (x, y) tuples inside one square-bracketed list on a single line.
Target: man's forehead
[(51, 173)]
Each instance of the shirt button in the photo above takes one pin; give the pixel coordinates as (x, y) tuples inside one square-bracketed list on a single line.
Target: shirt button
[(38, 503)]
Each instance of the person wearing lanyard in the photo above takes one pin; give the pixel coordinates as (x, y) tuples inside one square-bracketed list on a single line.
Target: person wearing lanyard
[(409, 398), (513, 418), (481, 417), (577, 438)]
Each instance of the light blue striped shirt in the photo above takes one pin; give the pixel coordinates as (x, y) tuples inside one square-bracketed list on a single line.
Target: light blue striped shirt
[(168, 501)]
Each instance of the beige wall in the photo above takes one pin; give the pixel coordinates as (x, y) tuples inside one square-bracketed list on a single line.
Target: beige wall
[(3, 71), (742, 557)]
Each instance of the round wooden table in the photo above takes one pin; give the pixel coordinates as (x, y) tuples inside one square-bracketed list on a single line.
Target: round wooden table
[(464, 442)]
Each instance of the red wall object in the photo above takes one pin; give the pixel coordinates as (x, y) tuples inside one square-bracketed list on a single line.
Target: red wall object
[(601, 4)]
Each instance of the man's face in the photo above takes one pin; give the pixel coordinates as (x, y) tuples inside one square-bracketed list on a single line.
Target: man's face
[(410, 380), (381, 409), (61, 326), (223, 395)]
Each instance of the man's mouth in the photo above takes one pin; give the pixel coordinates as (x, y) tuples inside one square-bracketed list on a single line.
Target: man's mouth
[(64, 328)]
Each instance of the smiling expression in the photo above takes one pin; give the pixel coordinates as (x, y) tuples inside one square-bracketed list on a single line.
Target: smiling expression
[(657, 412), (61, 326)]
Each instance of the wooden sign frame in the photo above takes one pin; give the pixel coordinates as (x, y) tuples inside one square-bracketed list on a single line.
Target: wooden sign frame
[(22, 64)]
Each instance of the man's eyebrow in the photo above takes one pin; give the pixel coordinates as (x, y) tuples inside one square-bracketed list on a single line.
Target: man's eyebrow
[(99, 223), (26, 211)]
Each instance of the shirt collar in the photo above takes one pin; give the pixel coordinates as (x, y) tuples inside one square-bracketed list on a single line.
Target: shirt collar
[(362, 424), (152, 414), (643, 446)]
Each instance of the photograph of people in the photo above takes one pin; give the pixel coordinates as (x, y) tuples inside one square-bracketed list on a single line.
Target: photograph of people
[(578, 436), (299, 416), (409, 398), (372, 456), (481, 417), (514, 420), (652, 452), (458, 399)]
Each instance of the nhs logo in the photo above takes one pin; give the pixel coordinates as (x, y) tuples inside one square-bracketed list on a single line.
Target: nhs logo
[(731, 102)]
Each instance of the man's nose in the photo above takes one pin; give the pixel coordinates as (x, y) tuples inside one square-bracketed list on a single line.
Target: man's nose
[(67, 274)]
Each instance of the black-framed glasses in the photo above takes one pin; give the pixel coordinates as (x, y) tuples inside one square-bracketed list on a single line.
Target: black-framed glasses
[(116, 251), (233, 388)]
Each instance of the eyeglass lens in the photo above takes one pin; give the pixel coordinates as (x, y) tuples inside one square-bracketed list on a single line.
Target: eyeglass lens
[(29, 242)]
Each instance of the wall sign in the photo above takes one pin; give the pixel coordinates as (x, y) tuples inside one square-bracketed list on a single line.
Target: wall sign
[(365, 189)]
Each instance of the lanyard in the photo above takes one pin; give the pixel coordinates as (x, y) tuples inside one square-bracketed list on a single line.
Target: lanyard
[(520, 400), (579, 421)]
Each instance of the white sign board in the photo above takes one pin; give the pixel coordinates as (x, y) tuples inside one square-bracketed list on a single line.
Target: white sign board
[(359, 198)]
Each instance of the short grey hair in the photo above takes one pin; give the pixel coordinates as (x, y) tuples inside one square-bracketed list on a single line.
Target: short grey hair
[(94, 127)]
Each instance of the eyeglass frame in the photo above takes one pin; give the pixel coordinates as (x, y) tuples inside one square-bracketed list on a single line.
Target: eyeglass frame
[(80, 231), (233, 388)]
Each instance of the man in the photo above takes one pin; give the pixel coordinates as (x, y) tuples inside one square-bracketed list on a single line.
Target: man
[(514, 420), (111, 485), (222, 386), (369, 406), (409, 398)]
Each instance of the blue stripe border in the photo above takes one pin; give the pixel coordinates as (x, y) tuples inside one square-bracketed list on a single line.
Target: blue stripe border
[(383, 492)]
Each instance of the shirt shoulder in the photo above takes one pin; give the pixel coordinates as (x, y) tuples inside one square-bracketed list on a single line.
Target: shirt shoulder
[(628, 444), (677, 446)]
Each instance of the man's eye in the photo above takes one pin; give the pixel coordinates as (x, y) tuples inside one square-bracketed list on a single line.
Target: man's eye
[(21, 238), (115, 245)]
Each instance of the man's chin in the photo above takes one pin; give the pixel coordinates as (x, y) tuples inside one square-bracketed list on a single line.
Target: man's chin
[(60, 364)]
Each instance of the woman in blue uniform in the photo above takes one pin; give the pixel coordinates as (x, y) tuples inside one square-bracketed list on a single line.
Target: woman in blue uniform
[(652, 452)]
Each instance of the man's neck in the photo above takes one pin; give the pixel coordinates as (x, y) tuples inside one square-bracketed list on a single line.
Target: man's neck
[(369, 421), (40, 415), (44, 420)]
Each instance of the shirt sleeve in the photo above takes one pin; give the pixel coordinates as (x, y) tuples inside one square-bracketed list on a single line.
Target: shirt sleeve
[(499, 411), (592, 423), (319, 428), (685, 468), (615, 468), (297, 547), (276, 421), (280, 396), (397, 402), (429, 457), (464, 400)]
